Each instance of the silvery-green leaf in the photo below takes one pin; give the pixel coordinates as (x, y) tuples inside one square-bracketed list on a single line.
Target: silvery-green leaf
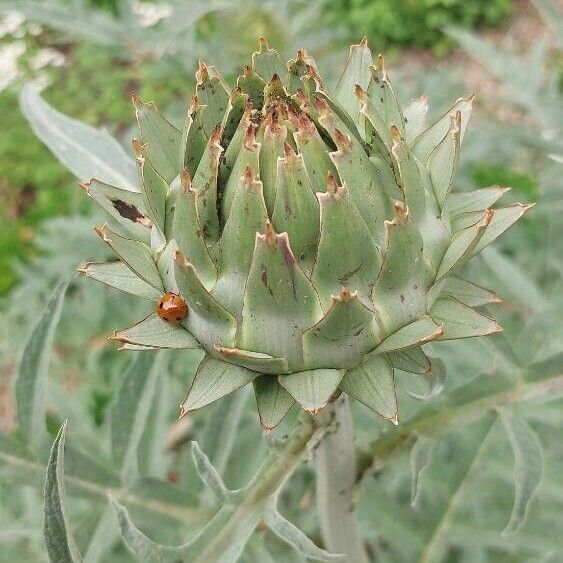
[(214, 379), (61, 546), (273, 401), (103, 537), (503, 219), (87, 152), (125, 206), (460, 321), (135, 254), (207, 473), (273, 140), (421, 454), (154, 189), (467, 292), (33, 369), (372, 383), (154, 332), (130, 410), (212, 92), (312, 389), (144, 549), (414, 334), (528, 466), (194, 140), (162, 139), (291, 534)]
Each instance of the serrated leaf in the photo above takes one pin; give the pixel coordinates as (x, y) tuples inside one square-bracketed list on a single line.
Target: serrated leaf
[(528, 466), (214, 379), (273, 401), (135, 254), (207, 473), (61, 546), (461, 321), (154, 332), (87, 152), (125, 206), (34, 365), (291, 534), (312, 389), (130, 411), (144, 549), (414, 334), (372, 383), (162, 139), (421, 454)]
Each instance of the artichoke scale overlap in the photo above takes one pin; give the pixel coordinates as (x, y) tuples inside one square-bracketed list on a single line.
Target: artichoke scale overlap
[(314, 235)]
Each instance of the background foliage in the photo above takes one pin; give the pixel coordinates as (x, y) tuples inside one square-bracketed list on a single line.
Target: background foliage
[(477, 452)]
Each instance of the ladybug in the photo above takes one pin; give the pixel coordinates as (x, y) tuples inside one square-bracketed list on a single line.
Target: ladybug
[(172, 308)]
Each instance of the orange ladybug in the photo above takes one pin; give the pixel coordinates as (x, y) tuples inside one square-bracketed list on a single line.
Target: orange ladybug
[(172, 308)]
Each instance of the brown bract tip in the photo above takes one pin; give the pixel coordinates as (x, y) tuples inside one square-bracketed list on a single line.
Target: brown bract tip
[(276, 80), (263, 44), (346, 295), (288, 150), (101, 231), (360, 93), (380, 66), (248, 70), (270, 236), (321, 104), (396, 134), (331, 184), (301, 55), (202, 73), (138, 147), (216, 134), (183, 410), (364, 41), (401, 213), (341, 140), (250, 138), (185, 180), (137, 102)]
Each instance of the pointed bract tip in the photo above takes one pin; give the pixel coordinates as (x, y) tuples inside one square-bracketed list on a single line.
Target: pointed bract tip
[(346, 295), (364, 41), (395, 419), (138, 147), (83, 269), (202, 73), (315, 410), (288, 150), (183, 411), (380, 63), (185, 180), (270, 236), (401, 213), (331, 184), (101, 230), (85, 185), (247, 70), (360, 93), (216, 134), (263, 44), (137, 102), (276, 80), (396, 134), (301, 55)]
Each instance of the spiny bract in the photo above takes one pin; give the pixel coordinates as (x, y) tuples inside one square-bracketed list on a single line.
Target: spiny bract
[(312, 234)]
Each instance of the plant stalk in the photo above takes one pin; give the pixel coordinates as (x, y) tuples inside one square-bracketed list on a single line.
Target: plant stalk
[(336, 479)]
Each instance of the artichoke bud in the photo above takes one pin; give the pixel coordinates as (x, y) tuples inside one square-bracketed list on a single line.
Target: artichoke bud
[(307, 240)]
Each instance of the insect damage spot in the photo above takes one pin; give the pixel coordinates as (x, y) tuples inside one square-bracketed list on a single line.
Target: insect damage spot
[(129, 211)]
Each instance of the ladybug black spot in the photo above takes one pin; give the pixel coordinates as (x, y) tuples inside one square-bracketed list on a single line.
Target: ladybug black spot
[(161, 305)]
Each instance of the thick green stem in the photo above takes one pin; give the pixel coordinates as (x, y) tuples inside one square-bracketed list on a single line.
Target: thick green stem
[(336, 478)]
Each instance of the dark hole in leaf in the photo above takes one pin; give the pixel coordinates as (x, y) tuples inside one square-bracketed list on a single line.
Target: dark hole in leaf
[(128, 211)]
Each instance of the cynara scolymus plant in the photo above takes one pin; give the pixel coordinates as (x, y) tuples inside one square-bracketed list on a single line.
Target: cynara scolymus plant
[(307, 240)]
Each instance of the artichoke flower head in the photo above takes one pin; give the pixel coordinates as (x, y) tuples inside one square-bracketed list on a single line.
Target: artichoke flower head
[(307, 239)]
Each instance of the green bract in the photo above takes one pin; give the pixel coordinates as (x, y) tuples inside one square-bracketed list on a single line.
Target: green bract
[(313, 234)]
